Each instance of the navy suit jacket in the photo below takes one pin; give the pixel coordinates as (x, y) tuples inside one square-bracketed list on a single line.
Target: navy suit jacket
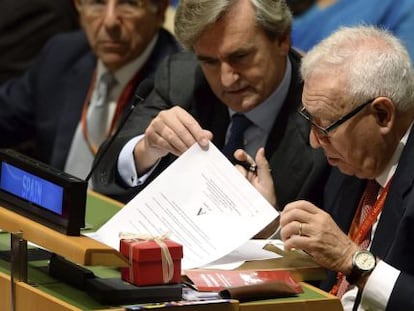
[(298, 170), (45, 104), (393, 241)]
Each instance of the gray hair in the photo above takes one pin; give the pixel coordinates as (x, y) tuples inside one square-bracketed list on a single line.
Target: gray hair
[(194, 16), (372, 60)]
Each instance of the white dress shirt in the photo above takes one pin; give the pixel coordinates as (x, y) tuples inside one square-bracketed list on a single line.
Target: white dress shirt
[(377, 290)]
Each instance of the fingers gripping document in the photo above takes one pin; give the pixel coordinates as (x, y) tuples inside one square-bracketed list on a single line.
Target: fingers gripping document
[(200, 201)]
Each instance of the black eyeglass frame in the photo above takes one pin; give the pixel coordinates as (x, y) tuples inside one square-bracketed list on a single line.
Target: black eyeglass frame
[(325, 130)]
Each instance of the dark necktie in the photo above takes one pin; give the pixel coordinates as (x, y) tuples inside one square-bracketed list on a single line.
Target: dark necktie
[(239, 124)]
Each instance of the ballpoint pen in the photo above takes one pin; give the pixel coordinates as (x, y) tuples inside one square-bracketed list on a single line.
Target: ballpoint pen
[(248, 166)]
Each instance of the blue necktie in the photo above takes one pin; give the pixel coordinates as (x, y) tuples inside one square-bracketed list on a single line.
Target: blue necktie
[(239, 124)]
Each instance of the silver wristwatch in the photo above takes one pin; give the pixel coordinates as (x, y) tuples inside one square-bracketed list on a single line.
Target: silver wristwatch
[(363, 262)]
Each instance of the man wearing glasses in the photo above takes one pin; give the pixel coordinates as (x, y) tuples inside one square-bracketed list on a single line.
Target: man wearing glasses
[(359, 98), (325, 131), (83, 83)]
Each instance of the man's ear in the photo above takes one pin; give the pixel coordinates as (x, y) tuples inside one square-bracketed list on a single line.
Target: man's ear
[(284, 44), (385, 111)]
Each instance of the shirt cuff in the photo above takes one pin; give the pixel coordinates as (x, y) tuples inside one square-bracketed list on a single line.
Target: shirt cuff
[(126, 164), (377, 290)]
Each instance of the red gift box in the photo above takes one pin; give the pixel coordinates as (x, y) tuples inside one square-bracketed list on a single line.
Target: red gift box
[(149, 264)]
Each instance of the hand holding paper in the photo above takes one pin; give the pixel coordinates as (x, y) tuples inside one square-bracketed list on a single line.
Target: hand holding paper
[(202, 202)]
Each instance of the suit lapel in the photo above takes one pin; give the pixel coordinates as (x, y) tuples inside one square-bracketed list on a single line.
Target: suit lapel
[(75, 90), (395, 204), (288, 119)]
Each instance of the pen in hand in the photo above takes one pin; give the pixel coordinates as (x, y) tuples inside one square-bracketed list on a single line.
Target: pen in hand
[(248, 166)]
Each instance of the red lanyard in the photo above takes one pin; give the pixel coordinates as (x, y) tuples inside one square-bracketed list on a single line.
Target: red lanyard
[(359, 232), (124, 98)]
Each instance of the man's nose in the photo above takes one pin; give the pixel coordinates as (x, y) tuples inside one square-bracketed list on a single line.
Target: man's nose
[(316, 138), (111, 15), (227, 74)]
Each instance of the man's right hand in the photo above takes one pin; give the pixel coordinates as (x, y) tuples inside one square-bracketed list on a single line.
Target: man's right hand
[(171, 131)]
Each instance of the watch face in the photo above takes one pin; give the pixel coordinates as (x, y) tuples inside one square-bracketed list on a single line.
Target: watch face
[(365, 260)]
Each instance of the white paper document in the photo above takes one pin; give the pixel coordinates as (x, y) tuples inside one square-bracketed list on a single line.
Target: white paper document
[(252, 250), (200, 201)]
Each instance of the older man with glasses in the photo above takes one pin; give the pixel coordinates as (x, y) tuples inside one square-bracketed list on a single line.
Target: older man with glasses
[(83, 83), (365, 237)]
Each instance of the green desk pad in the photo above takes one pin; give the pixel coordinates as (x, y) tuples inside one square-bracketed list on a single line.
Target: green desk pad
[(97, 213), (38, 277)]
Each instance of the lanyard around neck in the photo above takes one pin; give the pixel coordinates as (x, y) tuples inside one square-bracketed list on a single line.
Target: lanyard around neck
[(362, 230)]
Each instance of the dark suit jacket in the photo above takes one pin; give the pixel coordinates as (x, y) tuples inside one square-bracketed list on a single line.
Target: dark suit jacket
[(394, 237), (298, 170), (45, 104)]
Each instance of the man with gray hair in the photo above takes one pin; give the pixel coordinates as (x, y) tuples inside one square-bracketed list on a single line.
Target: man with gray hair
[(240, 64), (359, 98), (83, 83)]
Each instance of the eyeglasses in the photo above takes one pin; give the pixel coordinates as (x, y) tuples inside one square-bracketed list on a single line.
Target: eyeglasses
[(122, 7), (325, 131)]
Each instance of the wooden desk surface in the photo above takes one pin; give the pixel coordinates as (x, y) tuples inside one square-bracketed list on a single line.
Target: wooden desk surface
[(79, 249), (46, 293), (30, 298)]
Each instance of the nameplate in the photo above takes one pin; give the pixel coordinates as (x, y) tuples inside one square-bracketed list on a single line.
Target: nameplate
[(42, 193)]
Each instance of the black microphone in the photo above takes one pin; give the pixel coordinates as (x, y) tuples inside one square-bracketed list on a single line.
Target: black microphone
[(142, 92)]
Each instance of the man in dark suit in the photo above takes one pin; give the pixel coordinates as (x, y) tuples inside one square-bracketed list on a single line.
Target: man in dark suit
[(236, 67), (50, 102), (358, 96)]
